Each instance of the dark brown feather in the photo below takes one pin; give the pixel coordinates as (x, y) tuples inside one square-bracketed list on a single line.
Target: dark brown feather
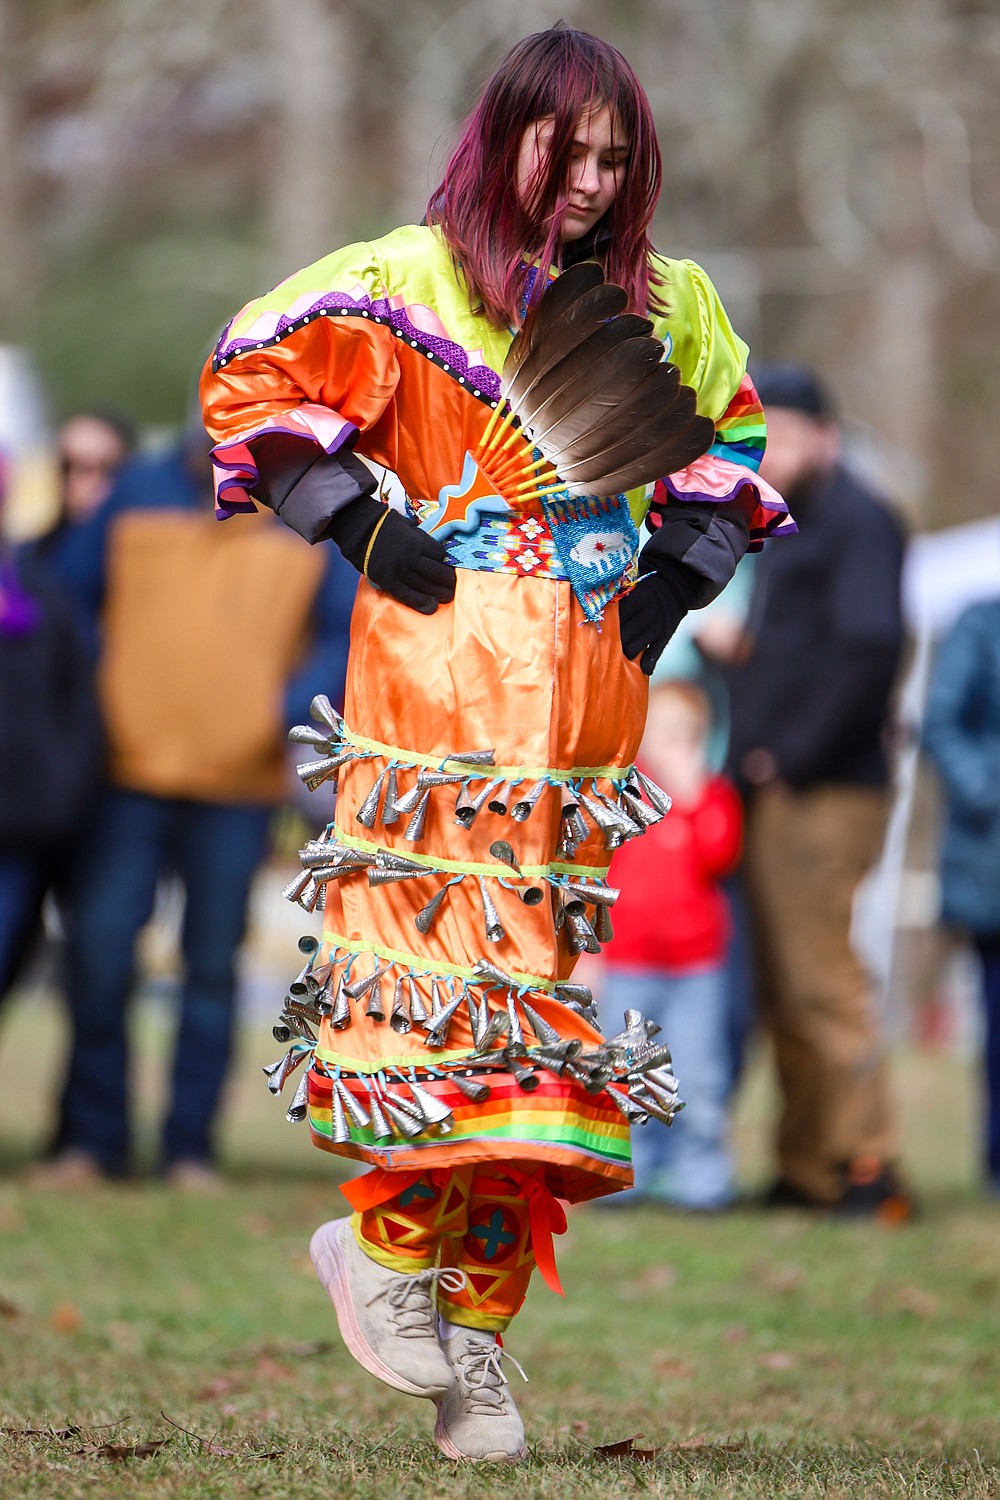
[(589, 386), (557, 338), (582, 383)]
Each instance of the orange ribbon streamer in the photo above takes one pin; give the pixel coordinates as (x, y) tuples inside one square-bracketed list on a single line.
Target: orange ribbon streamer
[(546, 1216)]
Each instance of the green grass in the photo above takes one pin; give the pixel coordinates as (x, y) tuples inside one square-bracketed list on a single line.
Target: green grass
[(762, 1355)]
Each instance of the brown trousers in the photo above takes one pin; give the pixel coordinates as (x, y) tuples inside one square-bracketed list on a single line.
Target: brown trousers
[(806, 852)]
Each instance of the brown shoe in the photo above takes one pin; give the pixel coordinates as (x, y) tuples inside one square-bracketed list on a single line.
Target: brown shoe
[(69, 1171), (199, 1178)]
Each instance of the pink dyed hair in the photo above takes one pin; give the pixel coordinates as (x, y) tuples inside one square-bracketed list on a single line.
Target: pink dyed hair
[(557, 74)]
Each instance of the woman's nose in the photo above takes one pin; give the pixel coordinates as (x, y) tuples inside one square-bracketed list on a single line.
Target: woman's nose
[(586, 178)]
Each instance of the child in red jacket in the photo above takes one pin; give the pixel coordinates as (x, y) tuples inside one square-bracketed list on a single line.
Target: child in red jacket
[(671, 930)]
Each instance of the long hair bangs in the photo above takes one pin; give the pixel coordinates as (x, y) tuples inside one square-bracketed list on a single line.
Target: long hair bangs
[(557, 75)]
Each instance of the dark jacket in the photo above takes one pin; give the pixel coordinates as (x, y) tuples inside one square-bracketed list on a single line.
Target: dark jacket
[(962, 737), (827, 634), (50, 739)]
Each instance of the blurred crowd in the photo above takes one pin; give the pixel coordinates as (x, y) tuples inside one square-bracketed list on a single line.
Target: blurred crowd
[(152, 660)]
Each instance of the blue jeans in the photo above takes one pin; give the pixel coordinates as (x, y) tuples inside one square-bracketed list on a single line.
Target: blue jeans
[(22, 886), (989, 953), (131, 840), (690, 1163)]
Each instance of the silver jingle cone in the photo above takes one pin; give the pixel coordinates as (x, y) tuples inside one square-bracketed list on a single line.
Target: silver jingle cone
[(375, 1009), (531, 895), (640, 811), (294, 889), (514, 1031), (497, 1027), (593, 894), (432, 1109), (500, 798), (313, 773), (387, 877), (324, 712), (501, 850), (367, 813), (281, 1034), (438, 1033), (404, 1123), (341, 1129), (568, 800), (526, 1078), (426, 779), (467, 807), (340, 1016), (603, 927), (659, 798), (308, 734), (418, 1011), (426, 915), (380, 1125), (489, 973), (583, 938), (472, 758), (399, 1019), (356, 989), (414, 830), (491, 917), (578, 992), (390, 807), (409, 800), (478, 1017), (472, 1088), (386, 859), (299, 1107), (359, 1115), (525, 805), (546, 1034), (436, 1006)]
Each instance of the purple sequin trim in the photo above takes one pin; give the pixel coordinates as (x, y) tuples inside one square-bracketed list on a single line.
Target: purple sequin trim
[(480, 379)]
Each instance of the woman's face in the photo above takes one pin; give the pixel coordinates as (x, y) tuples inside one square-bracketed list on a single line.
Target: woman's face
[(597, 169)]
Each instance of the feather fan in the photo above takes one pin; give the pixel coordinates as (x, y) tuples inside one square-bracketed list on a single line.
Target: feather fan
[(586, 384)]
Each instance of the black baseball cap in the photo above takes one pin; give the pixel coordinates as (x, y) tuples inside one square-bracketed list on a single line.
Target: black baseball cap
[(795, 387)]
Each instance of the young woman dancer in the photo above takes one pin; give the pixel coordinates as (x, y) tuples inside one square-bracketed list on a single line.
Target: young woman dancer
[(496, 695)]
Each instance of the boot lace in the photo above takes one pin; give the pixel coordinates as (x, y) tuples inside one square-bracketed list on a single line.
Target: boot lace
[(484, 1381), (412, 1314)]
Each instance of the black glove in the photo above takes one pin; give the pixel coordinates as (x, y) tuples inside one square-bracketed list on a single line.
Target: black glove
[(404, 561), (650, 614)]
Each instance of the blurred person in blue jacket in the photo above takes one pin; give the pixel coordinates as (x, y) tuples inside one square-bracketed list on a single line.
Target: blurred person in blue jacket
[(50, 742), (213, 639), (49, 727), (962, 737)]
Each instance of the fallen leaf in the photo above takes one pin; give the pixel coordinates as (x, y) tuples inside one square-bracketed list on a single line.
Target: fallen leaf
[(66, 1318), (736, 1333), (779, 1360), (221, 1385), (671, 1369), (621, 1449), (913, 1299), (9, 1309), (266, 1368), (625, 1448), (120, 1452)]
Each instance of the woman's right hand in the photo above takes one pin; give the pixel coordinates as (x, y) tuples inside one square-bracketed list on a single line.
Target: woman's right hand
[(393, 552)]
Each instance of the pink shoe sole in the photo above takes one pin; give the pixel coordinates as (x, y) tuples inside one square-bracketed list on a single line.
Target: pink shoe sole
[(331, 1268)]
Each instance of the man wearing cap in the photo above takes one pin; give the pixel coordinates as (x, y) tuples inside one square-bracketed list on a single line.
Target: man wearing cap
[(809, 705)]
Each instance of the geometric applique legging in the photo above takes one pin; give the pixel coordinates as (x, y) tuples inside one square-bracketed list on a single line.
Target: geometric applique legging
[(480, 1219)]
